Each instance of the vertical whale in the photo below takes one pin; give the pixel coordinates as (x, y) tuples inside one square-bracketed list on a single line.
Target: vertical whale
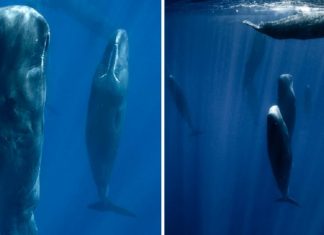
[(279, 152), (106, 109), (180, 102), (24, 37), (287, 101)]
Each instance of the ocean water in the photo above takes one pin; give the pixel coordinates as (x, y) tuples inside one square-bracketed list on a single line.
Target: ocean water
[(80, 31), (220, 182)]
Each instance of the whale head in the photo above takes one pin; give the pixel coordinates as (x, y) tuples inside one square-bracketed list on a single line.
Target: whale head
[(274, 116), (113, 70), (286, 82), (275, 121), (117, 66)]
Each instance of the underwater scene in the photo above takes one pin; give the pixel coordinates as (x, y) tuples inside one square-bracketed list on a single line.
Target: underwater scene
[(244, 117), (80, 129)]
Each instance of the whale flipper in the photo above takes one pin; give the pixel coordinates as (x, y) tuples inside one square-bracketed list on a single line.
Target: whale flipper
[(107, 205), (289, 200)]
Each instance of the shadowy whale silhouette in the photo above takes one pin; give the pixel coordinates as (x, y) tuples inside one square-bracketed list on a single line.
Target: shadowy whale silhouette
[(181, 102), (279, 151), (287, 101), (106, 109)]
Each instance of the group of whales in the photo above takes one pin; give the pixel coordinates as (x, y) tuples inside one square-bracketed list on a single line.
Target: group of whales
[(22, 102), (281, 117), (280, 125)]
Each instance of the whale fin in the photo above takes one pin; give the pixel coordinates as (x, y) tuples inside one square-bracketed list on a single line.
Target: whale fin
[(289, 200), (107, 205), (249, 23)]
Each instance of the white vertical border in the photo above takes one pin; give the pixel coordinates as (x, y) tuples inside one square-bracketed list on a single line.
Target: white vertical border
[(162, 122)]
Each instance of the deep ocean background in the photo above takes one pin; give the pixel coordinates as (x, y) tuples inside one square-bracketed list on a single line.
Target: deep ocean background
[(220, 182), (80, 31)]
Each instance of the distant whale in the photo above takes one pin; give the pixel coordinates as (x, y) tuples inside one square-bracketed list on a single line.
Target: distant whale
[(180, 102), (299, 26), (279, 151), (106, 109), (24, 38), (287, 101)]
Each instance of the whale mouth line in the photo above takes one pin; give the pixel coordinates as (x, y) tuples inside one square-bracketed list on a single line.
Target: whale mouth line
[(103, 76), (115, 77), (114, 65)]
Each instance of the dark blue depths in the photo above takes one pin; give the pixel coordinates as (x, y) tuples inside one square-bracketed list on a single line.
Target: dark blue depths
[(220, 182), (75, 50)]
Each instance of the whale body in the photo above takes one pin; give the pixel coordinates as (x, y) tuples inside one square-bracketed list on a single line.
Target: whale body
[(106, 109), (279, 152), (181, 102), (299, 26), (287, 101), (24, 37)]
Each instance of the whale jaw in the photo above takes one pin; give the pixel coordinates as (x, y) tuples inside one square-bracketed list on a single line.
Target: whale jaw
[(114, 64), (249, 23)]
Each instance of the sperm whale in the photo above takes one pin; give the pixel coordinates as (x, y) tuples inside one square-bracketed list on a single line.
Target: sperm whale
[(279, 151), (106, 110), (24, 38), (300, 26)]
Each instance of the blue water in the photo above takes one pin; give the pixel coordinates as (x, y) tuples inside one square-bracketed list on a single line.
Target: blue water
[(220, 182), (66, 181)]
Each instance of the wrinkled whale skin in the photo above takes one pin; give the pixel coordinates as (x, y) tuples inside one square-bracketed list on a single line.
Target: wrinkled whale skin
[(24, 38)]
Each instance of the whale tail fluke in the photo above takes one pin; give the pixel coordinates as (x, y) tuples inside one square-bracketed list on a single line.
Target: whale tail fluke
[(288, 200), (249, 23), (107, 205)]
